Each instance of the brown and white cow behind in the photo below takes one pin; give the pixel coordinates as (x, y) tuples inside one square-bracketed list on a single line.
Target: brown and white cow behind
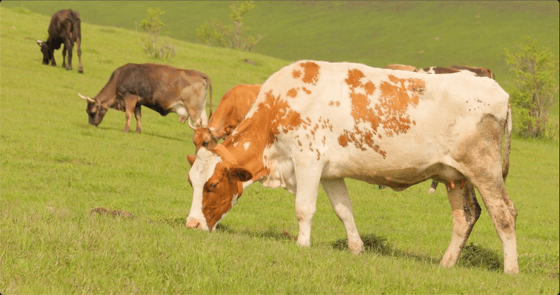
[(162, 88), (232, 108), (64, 28), (318, 122)]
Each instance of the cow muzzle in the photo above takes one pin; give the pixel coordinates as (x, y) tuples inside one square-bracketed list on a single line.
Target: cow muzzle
[(193, 223)]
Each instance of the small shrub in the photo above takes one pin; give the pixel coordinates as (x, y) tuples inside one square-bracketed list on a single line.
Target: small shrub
[(153, 45), (229, 36), (536, 80)]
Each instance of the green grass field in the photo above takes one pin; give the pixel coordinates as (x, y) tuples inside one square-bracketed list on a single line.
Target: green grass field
[(55, 168)]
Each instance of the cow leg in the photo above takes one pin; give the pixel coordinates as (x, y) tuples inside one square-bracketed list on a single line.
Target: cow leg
[(64, 56), (130, 101), (342, 206), (138, 115), (79, 51), (433, 187), (465, 214), (70, 48), (503, 214), (306, 200), (53, 62)]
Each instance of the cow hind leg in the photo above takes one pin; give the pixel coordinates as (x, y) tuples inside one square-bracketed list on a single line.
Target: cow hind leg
[(503, 214), (69, 65), (466, 211), (338, 196), (79, 51), (138, 116), (64, 56)]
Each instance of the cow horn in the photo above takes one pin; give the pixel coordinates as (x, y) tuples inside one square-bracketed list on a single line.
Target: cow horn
[(86, 98), (39, 42), (190, 123)]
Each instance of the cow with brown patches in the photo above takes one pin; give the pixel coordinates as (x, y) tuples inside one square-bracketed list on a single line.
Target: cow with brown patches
[(164, 89), (64, 28), (391, 128), (479, 72), (232, 109)]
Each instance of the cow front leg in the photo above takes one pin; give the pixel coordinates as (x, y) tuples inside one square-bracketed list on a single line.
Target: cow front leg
[(138, 115), (53, 62), (466, 211), (306, 201), (129, 106), (340, 201)]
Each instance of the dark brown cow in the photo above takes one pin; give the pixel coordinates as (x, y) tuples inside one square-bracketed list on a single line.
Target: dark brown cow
[(162, 88), (64, 29), (230, 112), (480, 72)]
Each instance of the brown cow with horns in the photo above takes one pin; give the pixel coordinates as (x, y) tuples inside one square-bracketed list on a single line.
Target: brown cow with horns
[(162, 88), (65, 28)]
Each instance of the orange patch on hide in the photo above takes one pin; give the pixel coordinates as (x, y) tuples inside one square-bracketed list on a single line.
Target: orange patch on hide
[(389, 113), (310, 72), (292, 93)]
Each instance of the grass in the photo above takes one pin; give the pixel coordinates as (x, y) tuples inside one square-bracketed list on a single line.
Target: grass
[(55, 168)]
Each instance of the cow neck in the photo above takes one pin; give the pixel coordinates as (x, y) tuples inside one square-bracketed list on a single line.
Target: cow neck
[(250, 161), (223, 152)]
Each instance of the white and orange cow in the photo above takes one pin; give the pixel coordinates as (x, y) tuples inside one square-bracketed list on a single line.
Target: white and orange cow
[(233, 107), (319, 122)]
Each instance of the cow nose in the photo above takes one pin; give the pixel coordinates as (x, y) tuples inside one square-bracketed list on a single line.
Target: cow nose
[(193, 223)]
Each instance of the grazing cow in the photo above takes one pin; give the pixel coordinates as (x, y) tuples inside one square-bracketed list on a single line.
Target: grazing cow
[(232, 109), (318, 122), (162, 88), (479, 72), (64, 29)]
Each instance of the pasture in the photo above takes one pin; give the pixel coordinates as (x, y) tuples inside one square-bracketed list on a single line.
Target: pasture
[(55, 168)]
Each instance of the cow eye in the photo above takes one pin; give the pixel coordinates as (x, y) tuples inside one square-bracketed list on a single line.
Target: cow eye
[(211, 186), (205, 143)]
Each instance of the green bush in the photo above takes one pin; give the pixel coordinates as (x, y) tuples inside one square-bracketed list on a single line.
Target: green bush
[(229, 36), (153, 45), (536, 80)]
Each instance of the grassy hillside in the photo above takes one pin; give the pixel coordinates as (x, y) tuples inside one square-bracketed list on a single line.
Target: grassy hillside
[(54, 168), (421, 33)]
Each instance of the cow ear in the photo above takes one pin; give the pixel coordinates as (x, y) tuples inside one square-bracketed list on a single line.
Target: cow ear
[(191, 159), (240, 173)]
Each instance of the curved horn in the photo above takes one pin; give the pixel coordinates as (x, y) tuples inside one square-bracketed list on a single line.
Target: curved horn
[(86, 98), (39, 42), (190, 123)]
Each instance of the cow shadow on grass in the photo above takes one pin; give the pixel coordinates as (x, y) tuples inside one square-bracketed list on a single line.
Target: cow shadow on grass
[(144, 133), (471, 256)]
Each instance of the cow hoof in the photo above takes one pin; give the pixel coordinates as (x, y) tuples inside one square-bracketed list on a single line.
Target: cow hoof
[(81, 71)]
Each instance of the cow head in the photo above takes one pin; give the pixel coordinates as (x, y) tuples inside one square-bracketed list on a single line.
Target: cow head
[(217, 184), (203, 138), (46, 51), (95, 110)]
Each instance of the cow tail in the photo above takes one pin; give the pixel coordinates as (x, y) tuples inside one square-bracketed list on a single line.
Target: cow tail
[(210, 96), (509, 127)]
